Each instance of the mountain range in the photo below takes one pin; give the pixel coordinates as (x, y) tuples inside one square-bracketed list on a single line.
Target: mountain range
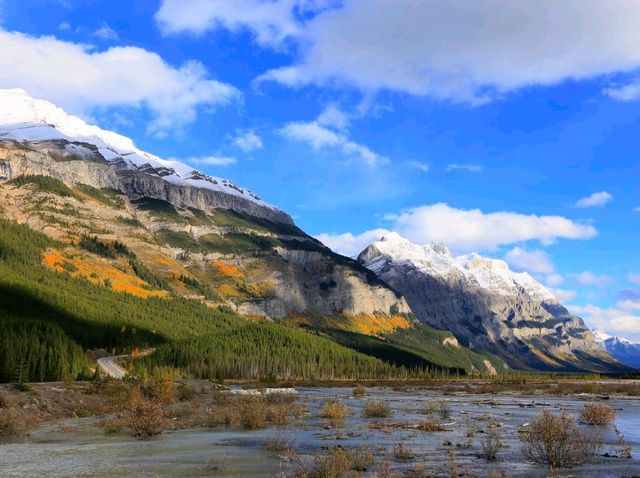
[(620, 348), (485, 304), (122, 220)]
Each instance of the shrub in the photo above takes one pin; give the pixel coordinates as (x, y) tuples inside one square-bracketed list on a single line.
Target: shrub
[(597, 414), (144, 416), (252, 414), (15, 421), (185, 393), (491, 445), (359, 391), (363, 459), (430, 426), (401, 452), (336, 463), (335, 412), (555, 440), (376, 409)]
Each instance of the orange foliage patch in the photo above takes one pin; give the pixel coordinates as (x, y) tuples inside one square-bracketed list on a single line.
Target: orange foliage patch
[(98, 270), (227, 270), (54, 259), (366, 324)]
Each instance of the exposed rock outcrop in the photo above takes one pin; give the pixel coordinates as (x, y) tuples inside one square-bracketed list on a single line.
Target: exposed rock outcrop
[(486, 306)]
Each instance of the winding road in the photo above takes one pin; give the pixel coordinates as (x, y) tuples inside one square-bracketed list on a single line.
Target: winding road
[(109, 366)]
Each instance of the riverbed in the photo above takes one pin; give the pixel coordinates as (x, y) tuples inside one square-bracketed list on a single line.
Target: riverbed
[(78, 448)]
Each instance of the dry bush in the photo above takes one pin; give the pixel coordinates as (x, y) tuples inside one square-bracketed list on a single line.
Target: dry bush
[(376, 409), (430, 426), (403, 453), (335, 463), (363, 458), (252, 413), (4, 400), (185, 393), (280, 442), (597, 414), (555, 440), (416, 471), (335, 412), (359, 391), (144, 416), (491, 445), (15, 421), (440, 406)]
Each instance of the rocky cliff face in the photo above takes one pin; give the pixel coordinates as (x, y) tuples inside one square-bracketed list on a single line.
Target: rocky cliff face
[(486, 306), (199, 227)]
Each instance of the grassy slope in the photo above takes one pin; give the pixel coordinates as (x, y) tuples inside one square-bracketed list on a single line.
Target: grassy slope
[(75, 314)]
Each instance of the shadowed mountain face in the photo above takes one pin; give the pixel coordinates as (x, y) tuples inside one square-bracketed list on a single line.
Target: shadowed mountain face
[(487, 306), (620, 348)]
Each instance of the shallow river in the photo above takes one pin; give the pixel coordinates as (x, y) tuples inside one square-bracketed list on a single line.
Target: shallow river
[(76, 448)]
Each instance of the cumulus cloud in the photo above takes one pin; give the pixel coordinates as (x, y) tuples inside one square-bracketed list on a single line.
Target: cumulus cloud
[(537, 261), (271, 21), (467, 230), (80, 78), (597, 280), (208, 160), (635, 278), (471, 168), (248, 141), (349, 244), (598, 199), (614, 320), (319, 134), (461, 51)]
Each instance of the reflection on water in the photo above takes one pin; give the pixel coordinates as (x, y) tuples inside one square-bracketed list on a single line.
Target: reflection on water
[(85, 451)]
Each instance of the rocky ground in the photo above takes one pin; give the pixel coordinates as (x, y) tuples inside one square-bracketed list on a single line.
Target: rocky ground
[(408, 430)]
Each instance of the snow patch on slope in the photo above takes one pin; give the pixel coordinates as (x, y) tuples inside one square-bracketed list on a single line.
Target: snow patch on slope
[(25, 119), (436, 260)]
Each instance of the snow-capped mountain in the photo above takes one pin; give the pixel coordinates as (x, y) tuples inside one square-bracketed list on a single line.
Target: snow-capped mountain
[(486, 305), (32, 121), (620, 348)]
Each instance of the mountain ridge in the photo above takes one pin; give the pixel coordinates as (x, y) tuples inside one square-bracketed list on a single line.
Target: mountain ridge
[(486, 305)]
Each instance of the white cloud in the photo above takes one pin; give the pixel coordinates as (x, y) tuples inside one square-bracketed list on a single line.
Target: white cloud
[(628, 92), (554, 280), (589, 278), (629, 304), (420, 166), (474, 230), (334, 117), (598, 199), (636, 209), (613, 320), (320, 136), (248, 141), (207, 160), (471, 168), (462, 51), (80, 78), (105, 32), (563, 295), (635, 278), (350, 245), (64, 26), (271, 22), (531, 261)]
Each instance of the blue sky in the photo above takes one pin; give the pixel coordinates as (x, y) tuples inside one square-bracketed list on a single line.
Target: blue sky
[(509, 129)]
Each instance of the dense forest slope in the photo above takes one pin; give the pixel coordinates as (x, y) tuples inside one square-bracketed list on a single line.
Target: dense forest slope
[(105, 246)]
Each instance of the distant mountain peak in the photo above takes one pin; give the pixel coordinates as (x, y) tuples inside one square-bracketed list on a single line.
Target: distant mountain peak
[(486, 273), (26, 119)]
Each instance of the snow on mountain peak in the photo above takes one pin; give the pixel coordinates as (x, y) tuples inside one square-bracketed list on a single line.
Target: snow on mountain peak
[(435, 259), (26, 119)]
